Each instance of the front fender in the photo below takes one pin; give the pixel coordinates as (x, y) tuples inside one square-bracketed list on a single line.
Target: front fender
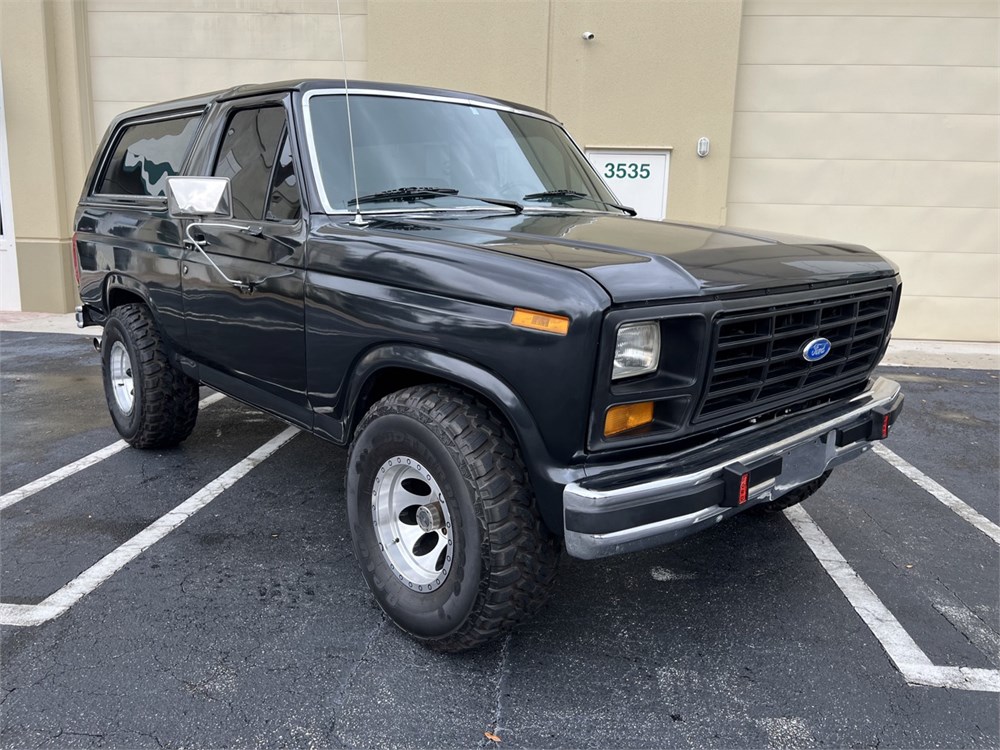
[(547, 477)]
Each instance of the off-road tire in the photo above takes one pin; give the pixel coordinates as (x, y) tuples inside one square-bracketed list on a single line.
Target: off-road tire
[(504, 558), (794, 497), (165, 400)]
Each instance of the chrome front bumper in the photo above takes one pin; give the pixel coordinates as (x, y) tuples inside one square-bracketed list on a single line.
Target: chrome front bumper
[(602, 518)]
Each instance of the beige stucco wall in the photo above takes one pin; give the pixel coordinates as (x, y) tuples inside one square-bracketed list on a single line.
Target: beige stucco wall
[(659, 73), (70, 66), (47, 106), (878, 122), (145, 51)]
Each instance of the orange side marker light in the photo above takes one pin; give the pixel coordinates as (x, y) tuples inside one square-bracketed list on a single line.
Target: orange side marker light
[(540, 321)]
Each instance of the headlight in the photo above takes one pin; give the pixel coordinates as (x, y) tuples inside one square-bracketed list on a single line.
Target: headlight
[(637, 350)]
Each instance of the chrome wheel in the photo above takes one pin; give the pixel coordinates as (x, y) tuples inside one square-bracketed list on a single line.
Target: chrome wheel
[(122, 382), (412, 523)]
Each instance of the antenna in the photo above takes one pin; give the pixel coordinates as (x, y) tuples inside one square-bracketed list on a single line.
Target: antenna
[(358, 220)]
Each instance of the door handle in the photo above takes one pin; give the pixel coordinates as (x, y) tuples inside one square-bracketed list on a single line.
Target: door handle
[(197, 239)]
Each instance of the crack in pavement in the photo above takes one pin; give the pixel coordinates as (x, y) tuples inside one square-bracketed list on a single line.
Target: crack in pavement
[(501, 684), (346, 687)]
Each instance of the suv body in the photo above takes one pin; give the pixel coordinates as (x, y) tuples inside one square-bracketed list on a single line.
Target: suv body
[(540, 318)]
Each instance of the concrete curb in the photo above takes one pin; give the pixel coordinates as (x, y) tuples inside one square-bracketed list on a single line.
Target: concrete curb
[(32, 322), (942, 354)]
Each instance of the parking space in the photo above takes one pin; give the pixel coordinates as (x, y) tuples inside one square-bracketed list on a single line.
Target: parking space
[(243, 620)]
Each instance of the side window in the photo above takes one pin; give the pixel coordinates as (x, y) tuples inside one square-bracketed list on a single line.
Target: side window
[(284, 202), (247, 158), (145, 155)]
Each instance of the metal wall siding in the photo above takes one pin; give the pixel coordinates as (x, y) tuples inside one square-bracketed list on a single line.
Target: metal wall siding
[(877, 123)]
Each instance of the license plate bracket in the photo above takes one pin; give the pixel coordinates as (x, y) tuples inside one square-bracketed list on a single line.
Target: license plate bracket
[(806, 461)]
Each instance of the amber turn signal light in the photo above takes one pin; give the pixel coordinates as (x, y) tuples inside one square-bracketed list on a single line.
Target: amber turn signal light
[(540, 321), (627, 417)]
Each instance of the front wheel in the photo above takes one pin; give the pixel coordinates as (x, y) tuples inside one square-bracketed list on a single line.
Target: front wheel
[(152, 404), (443, 519)]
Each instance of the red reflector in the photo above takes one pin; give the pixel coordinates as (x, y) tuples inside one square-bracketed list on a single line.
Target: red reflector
[(885, 426), (744, 488), (76, 261)]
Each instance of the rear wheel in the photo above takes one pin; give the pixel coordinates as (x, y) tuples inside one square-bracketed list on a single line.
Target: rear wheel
[(443, 519), (152, 404)]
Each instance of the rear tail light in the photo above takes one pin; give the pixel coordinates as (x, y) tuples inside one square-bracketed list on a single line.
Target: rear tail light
[(76, 261)]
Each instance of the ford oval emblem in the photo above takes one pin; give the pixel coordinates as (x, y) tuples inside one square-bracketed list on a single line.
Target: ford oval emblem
[(816, 349)]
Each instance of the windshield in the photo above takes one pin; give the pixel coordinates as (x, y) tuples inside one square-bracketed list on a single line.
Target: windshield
[(470, 150)]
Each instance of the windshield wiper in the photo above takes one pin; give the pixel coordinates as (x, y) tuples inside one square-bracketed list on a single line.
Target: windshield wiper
[(425, 193), (575, 195), (403, 194)]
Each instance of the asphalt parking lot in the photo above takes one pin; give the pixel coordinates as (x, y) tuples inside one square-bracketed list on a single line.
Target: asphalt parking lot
[(245, 622)]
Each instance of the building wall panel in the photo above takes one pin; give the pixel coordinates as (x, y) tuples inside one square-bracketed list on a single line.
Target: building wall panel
[(829, 182), (937, 8), (906, 89), (914, 229), (866, 135), (877, 123), (946, 274), (154, 50), (923, 39)]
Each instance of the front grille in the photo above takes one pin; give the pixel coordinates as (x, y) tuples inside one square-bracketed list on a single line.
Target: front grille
[(757, 360)]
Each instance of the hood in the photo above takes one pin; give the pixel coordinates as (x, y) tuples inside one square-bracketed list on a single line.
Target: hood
[(636, 260)]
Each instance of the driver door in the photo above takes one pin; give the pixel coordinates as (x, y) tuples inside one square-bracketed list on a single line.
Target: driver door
[(250, 341)]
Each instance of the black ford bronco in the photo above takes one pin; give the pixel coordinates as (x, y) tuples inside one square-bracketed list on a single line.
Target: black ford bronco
[(442, 282)]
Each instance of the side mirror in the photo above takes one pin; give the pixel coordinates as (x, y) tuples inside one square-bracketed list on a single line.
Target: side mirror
[(199, 198)]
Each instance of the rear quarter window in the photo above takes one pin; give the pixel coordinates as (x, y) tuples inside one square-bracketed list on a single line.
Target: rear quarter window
[(145, 154)]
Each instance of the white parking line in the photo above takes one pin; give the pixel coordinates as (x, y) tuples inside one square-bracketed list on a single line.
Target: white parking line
[(908, 657), (57, 603), (15, 496), (964, 510)]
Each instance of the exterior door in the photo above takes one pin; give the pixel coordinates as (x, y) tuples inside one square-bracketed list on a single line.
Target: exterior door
[(10, 292), (250, 341)]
